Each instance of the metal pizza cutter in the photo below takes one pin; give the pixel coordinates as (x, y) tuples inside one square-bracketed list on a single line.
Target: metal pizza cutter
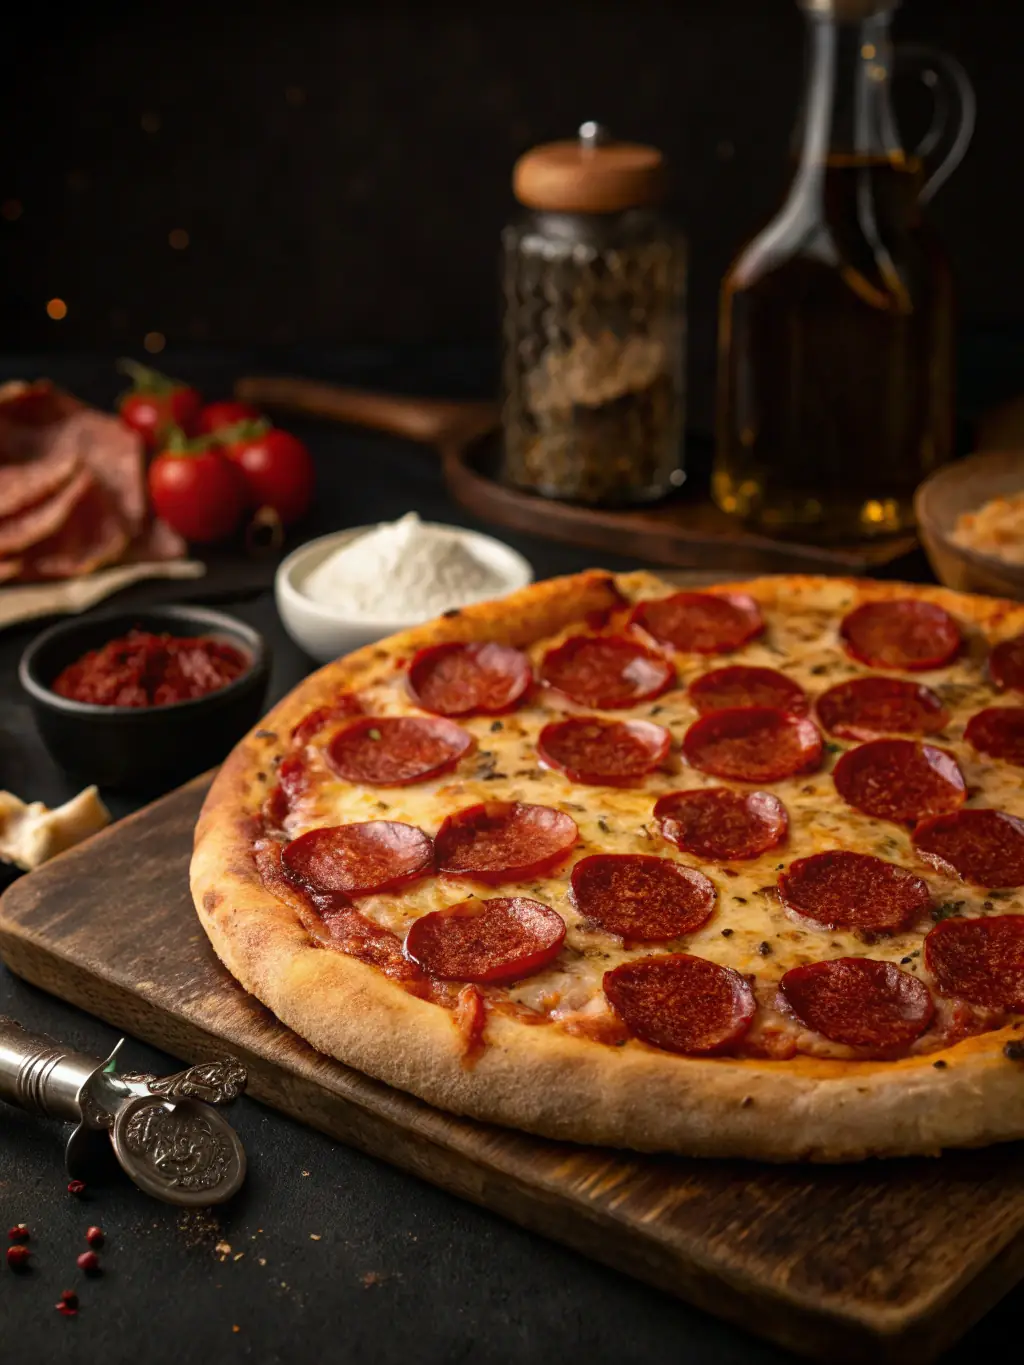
[(167, 1134)]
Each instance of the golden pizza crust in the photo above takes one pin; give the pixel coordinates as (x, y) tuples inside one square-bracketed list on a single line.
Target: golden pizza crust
[(543, 1079)]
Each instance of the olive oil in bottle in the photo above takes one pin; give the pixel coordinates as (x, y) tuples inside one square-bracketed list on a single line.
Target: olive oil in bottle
[(836, 324)]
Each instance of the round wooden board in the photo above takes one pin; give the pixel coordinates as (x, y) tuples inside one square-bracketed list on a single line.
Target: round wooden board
[(685, 531), (681, 531)]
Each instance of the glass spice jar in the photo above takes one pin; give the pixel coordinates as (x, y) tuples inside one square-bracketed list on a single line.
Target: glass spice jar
[(594, 326)]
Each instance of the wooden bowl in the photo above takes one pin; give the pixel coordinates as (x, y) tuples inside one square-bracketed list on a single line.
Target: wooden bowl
[(964, 486)]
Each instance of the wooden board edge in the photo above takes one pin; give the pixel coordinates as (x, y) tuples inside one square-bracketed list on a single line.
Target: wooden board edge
[(914, 1336), (653, 532)]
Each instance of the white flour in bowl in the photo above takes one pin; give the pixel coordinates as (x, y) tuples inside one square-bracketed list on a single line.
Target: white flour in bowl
[(404, 571)]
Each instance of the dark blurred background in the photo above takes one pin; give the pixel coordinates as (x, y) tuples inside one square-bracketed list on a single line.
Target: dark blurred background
[(220, 174)]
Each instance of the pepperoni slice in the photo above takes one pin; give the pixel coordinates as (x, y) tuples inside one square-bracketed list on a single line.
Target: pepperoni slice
[(641, 897), (906, 633), (984, 846), (900, 779), (865, 708), (360, 859), (340, 923), (469, 679), (753, 744), (504, 841), (980, 960), (842, 890), (859, 1001), (722, 825), (681, 1003), (606, 671), (700, 622), (394, 751), (611, 753), (1006, 664), (341, 708), (486, 941), (999, 733), (726, 688)]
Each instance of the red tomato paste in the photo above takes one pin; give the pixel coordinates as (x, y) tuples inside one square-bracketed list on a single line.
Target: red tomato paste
[(142, 669)]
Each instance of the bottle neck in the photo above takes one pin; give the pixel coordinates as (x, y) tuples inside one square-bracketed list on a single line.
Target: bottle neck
[(846, 112)]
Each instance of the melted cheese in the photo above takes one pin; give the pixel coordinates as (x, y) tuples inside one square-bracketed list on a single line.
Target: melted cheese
[(750, 930)]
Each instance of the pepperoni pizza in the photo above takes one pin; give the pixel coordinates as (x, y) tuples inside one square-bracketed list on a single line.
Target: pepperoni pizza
[(736, 872)]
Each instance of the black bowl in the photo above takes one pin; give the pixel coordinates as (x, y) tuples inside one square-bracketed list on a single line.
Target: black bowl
[(144, 749)]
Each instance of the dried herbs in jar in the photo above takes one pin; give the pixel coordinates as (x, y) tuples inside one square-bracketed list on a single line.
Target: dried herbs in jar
[(594, 359)]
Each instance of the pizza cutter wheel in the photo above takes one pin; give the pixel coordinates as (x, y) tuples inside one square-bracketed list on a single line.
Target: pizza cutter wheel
[(167, 1134)]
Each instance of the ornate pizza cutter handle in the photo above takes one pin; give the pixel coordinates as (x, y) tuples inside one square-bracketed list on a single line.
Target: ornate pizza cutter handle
[(165, 1133)]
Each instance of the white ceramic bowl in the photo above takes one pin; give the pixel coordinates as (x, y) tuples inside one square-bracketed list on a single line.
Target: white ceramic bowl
[(325, 632)]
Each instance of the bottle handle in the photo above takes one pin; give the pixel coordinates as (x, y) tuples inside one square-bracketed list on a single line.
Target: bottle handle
[(953, 114)]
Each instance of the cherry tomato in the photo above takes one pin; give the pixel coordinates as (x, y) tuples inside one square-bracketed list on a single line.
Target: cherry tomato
[(154, 404), (278, 471), (198, 493), (152, 416), (229, 413)]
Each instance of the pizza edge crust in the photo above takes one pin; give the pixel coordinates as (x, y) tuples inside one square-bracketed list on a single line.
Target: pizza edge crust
[(542, 1079)]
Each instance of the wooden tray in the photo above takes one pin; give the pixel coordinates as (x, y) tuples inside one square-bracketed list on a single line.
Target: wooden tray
[(889, 1261), (685, 530)]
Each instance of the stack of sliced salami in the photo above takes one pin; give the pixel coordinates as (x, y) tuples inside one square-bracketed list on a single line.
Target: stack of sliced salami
[(72, 489)]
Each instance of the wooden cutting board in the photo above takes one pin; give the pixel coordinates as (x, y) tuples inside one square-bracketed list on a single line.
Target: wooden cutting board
[(888, 1261)]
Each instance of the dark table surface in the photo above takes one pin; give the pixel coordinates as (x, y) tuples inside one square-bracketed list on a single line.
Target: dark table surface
[(333, 1255)]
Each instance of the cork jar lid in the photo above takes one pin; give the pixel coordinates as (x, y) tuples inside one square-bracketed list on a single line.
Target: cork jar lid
[(592, 174)]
